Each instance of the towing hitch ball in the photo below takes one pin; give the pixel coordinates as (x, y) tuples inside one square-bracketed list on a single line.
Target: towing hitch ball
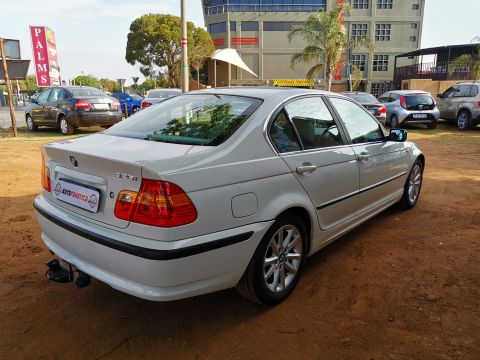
[(58, 274)]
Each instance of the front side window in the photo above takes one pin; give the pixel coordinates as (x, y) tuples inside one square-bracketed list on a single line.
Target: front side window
[(43, 97), (206, 120), (314, 123), (462, 91), (283, 136), (361, 127)]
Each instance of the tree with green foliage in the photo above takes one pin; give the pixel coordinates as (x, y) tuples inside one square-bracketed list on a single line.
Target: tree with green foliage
[(154, 42), (109, 85), (327, 39), (86, 80), (30, 83), (201, 50)]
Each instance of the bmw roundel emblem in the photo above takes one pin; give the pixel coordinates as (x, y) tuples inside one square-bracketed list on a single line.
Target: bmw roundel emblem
[(74, 160)]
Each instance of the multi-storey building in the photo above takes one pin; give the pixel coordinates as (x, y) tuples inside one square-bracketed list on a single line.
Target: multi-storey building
[(258, 30)]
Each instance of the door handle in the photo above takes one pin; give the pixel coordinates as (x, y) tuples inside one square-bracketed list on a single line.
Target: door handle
[(307, 168), (363, 157)]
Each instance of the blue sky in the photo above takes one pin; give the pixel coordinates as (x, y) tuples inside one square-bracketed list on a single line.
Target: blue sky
[(91, 34)]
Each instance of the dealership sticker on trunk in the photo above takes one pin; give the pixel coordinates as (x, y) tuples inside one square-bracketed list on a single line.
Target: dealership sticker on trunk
[(77, 195)]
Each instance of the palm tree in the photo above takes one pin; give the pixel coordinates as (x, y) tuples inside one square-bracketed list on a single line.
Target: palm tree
[(327, 39)]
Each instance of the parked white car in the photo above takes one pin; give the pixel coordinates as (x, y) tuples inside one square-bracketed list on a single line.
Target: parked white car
[(217, 189)]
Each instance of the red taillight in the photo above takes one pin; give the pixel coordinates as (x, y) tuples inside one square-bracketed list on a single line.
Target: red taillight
[(382, 110), (146, 104), (116, 104), (403, 102), (478, 103), (82, 104), (158, 203), (45, 171)]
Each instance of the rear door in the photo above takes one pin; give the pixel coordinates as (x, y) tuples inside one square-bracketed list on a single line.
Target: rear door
[(383, 164), (313, 146)]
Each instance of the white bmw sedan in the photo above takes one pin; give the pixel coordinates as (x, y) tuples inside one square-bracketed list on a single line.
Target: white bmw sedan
[(220, 188)]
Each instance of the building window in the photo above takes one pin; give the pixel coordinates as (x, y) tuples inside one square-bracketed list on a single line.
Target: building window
[(414, 25), (360, 4), (415, 6), (249, 26), (384, 4), (359, 61), (380, 63), (359, 30), (218, 28), (278, 25), (383, 32), (233, 26), (413, 38)]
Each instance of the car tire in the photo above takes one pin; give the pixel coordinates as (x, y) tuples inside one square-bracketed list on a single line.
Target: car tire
[(413, 186), (135, 109), (464, 120), (31, 126), (394, 122), (274, 270), (65, 127), (433, 125)]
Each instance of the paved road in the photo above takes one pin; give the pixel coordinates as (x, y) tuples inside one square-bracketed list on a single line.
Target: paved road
[(5, 121)]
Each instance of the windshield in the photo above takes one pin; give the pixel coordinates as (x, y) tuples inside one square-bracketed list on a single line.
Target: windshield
[(189, 119), (363, 98), (162, 94), (86, 91)]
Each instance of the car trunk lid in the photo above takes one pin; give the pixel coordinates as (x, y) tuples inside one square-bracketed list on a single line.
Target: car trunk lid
[(102, 165)]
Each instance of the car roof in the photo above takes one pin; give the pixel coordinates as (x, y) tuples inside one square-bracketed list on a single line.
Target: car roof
[(263, 92), (355, 93)]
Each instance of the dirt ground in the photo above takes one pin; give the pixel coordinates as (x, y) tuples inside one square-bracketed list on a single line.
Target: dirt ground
[(405, 285)]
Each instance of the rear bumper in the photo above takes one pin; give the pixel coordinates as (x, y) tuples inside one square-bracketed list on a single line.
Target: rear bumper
[(85, 118), (407, 117), (156, 270)]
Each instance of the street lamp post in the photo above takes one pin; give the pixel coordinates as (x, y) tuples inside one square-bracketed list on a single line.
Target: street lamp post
[(185, 77)]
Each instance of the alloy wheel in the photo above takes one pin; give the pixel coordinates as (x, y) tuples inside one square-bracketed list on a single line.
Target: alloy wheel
[(414, 183), (283, 258), (29, 123), (64, 126), (462, 121)]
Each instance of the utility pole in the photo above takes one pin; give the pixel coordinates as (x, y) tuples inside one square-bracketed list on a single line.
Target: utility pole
[(9, 90), (185, 77)]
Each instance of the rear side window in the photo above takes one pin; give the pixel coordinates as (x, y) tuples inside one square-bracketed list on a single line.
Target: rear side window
[(363, 98), (162, 94), (189, 119), (314, 123), (361, 127), (473, 91)]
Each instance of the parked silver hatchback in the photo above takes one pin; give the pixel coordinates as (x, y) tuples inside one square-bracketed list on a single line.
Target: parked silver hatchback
[(461, 103), (410, 107)]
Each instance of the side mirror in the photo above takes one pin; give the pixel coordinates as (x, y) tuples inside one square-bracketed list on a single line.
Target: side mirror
[(398, 135), (439, 95)]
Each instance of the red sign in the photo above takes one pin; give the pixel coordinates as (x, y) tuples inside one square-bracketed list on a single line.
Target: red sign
[(45, 56)]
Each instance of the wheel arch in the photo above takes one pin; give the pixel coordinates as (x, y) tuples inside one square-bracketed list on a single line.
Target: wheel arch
[(304, 215), (462, 109)]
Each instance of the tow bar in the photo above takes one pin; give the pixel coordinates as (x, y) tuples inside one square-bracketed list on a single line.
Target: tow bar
[(65, 274)]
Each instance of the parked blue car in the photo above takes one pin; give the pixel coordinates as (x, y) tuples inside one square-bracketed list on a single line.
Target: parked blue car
[(133, 101)]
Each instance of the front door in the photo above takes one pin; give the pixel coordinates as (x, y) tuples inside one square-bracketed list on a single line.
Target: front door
[(383, 164), (314, 148), (54, 105), (39, 109)]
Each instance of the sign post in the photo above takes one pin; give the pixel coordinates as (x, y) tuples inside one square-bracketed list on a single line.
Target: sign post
[(9, 90)]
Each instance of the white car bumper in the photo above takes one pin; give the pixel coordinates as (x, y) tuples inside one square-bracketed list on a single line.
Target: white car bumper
[(161, 271)]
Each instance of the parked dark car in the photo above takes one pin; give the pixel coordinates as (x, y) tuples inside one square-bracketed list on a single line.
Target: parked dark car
[(156, 96), (371, 103), (133, 101), (70, 107)]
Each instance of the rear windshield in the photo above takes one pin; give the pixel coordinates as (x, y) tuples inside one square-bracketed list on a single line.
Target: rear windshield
[(162, 94), (418, 99), (86, 91), (363, 98), (189, 119)]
